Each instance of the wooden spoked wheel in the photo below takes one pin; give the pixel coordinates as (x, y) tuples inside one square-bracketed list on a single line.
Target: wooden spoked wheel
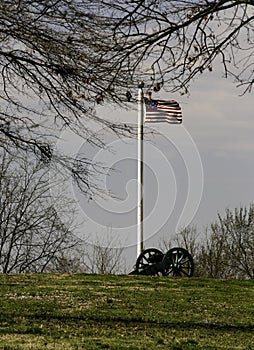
[(149, 262), (178, 262)]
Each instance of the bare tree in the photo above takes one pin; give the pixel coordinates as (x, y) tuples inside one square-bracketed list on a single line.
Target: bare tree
[(52, 76), (103, 257), (227, 251), (67, 262), (187, 237), (31, 231), (60, 58), (239, 226), (171, 42), (212, 260)]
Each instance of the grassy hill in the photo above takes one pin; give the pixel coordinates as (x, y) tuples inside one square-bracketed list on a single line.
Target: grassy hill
[(124, 312)]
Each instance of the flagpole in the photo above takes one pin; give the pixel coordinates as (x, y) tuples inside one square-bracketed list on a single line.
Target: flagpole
[(140, 238)]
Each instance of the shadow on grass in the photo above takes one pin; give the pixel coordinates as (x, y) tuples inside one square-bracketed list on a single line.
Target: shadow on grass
[(110, 321), (177, 324)]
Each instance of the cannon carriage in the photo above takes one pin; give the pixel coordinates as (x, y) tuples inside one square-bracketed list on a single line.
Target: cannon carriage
[(175, 262)]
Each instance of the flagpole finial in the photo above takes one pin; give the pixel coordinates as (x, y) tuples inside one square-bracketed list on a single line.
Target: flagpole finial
[(149, 94), (141, 84)]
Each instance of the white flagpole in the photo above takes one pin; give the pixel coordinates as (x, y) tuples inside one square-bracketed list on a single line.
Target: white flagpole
[(140, 243)]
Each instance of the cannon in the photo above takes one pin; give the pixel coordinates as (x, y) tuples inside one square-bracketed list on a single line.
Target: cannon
[(175, 262)]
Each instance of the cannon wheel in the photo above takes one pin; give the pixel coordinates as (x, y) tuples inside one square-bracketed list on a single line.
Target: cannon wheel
[(148, 259), (178, 262)]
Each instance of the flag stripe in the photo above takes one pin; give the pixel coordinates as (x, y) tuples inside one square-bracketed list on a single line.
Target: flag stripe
[(159, 111)]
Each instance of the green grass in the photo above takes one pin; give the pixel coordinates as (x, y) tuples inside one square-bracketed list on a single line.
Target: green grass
[(124, 312)]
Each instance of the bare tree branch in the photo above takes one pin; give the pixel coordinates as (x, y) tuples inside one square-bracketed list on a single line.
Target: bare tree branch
[(59, 59), (31, 231)]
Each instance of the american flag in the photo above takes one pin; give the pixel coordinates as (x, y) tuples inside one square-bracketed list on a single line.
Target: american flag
[(158, 111)]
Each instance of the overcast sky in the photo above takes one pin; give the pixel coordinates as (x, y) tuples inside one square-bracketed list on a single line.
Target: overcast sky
[(192, 171), (222, 126)]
